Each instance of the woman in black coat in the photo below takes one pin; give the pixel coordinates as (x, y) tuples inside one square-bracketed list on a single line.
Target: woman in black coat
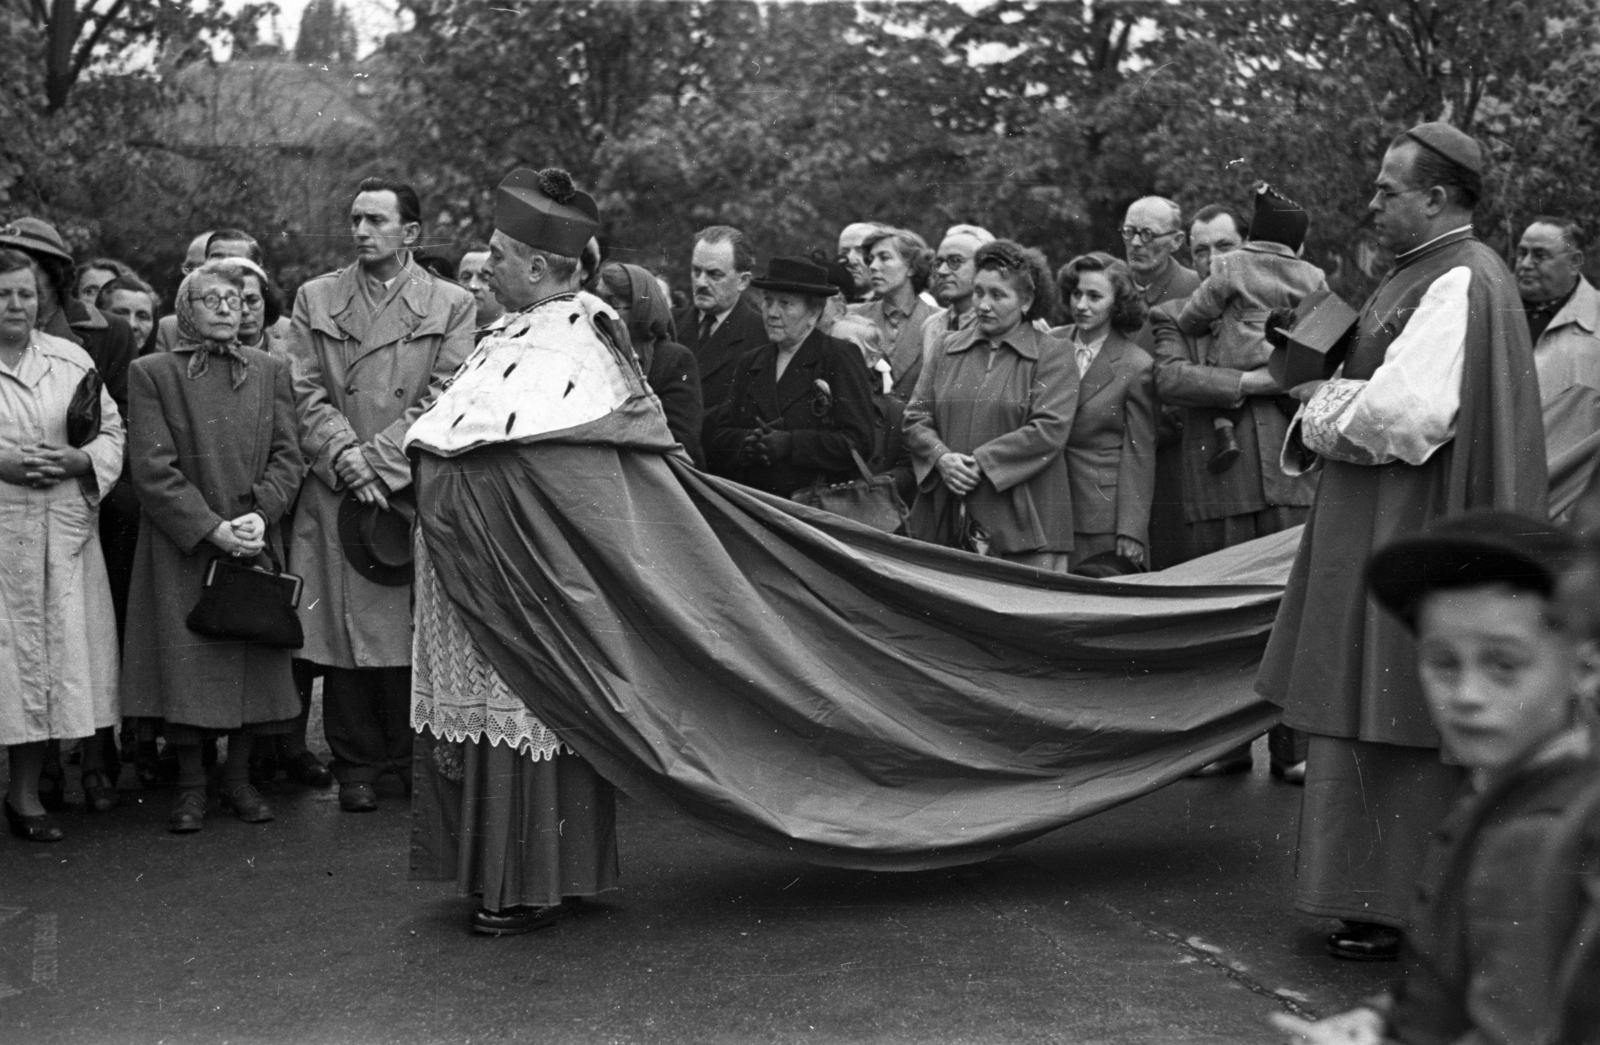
[(799, 405), (670, 368)]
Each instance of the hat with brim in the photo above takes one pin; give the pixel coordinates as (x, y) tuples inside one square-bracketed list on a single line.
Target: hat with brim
[(35, 237), (377, 543), (1469, 551), (796, 276), (543, 209), (1105, 565)]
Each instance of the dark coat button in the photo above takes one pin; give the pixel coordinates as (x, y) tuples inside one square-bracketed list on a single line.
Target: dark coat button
[(399, 393), (349, 390)]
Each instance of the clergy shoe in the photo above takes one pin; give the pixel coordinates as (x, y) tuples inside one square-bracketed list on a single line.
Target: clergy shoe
[(307, 770), (99, 796), (41, 828), (1229, 765), (188, 812), (513, 921), (358, 798), (1294, 774), (1365, 942), (247, 804)]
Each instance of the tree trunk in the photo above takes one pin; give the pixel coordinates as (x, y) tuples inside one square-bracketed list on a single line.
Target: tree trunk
[(63, 31)]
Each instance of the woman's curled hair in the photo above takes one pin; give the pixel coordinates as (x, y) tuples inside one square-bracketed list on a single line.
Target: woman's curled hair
[(1025, 269), (1128, 310)]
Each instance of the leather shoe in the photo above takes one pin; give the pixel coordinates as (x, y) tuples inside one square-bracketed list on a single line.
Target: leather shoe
[(247, 804), (358, 798), (98, 794), (1365, 942), (307, 770), (514, 921), (41, 828), (1295, 774), (1231, 765), (188, 812)]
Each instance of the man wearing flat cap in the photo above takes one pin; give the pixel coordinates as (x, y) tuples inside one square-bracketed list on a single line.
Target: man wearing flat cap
[(1435, 414), (503, 806), (799, 404), (373, 344)]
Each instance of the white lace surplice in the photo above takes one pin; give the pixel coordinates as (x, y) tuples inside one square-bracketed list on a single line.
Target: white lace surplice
[(455, 692)]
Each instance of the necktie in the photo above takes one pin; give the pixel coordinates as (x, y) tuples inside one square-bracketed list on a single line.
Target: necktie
[(1085, 357), (707, 321)]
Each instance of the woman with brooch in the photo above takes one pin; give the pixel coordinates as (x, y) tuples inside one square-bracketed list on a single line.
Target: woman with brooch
[(801, 404)]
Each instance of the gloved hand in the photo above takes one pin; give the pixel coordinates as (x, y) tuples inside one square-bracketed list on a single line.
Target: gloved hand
[(772, 447)]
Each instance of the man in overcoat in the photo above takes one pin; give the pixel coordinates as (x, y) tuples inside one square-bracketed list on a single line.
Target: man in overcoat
[(373, 346), (1436, 414), (1255, 497)]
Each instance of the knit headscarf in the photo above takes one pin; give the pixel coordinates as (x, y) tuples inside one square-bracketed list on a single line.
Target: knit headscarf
[(650, 311), (191, 340)]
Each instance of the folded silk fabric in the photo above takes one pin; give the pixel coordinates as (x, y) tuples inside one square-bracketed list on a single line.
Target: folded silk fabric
[(817, 688)]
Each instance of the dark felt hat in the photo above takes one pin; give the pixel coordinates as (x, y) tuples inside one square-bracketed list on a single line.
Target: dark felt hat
[(1278, 219), (1450, 142), (1468, 551), (544, 209), (1107, 564), (796, 276), (35, 237), (377, 543)]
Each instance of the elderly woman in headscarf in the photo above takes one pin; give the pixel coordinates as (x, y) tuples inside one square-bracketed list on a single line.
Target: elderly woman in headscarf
[(215, 454), (58, 667), (670, 368)]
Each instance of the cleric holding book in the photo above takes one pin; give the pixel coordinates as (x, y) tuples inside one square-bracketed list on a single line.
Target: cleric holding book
[(1435, 413)]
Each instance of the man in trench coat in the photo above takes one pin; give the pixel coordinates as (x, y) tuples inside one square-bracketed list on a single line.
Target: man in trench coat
[(374, 344)]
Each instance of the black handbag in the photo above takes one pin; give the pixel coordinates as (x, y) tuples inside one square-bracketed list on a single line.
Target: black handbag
[(870, 500), (83, 413), (249, 603)]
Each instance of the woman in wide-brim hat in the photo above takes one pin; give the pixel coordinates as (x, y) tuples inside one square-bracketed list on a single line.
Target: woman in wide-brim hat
[(801, 405)]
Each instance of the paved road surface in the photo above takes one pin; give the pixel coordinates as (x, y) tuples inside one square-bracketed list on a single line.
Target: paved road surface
[(1166, 920)]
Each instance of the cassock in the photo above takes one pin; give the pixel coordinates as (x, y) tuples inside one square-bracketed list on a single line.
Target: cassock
[(1435, 413), (501, 805)]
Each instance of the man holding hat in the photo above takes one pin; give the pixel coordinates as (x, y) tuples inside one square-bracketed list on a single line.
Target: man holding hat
[(373, 344), (800, 404), (1436, 413), (503, 806)]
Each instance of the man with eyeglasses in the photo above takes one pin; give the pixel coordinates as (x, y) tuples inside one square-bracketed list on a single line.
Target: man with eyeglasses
[(1152, 233), (953, 274), (1564, 321), (1434, 414)]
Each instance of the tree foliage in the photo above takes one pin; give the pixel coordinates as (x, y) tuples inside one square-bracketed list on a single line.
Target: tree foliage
[(1042, 120)]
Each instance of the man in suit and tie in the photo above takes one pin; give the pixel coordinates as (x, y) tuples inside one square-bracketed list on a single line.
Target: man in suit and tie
[(721, 326)]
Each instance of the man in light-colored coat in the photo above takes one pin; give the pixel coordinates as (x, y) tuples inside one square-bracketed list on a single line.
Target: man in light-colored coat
[(374, 344)]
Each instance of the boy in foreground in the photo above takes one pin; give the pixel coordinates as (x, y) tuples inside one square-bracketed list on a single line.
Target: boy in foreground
[(1505, 939)]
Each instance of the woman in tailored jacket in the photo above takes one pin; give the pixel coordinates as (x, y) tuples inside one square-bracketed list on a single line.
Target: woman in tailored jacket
[(1000, 395)]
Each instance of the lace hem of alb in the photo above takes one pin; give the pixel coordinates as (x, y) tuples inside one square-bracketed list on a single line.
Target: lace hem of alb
[(456, 694)]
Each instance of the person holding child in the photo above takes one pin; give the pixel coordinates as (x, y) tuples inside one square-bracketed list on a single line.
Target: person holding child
[(1246, 286)]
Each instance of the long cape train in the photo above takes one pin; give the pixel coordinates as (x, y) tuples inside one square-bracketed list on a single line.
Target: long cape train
[(849, 698)]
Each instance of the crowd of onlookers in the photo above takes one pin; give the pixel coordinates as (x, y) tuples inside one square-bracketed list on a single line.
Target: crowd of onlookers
[(1110, 415)]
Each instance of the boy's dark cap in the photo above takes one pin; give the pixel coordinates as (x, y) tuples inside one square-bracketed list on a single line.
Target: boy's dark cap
[(1468, 551), (1278, 219)]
